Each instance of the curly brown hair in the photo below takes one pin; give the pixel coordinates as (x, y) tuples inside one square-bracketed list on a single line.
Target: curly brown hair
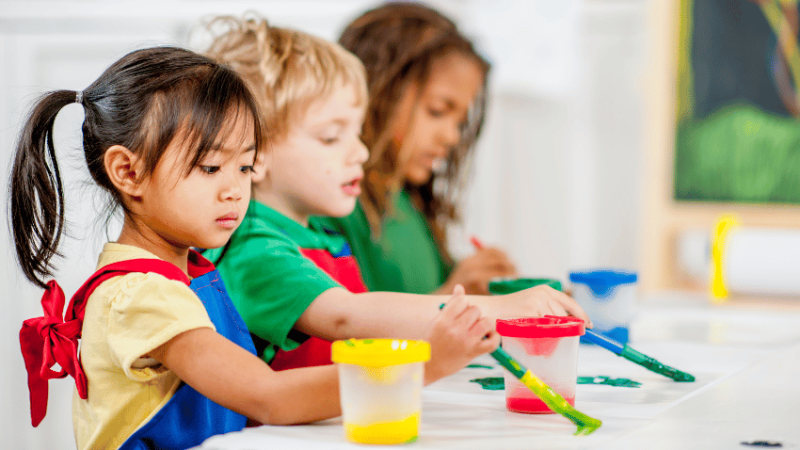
[(398, 43)]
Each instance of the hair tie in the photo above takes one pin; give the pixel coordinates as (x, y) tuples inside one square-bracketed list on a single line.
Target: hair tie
[(78, 96)]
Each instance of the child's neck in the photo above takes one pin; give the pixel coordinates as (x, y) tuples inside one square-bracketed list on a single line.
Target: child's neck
[(156, 245), (279, 204)]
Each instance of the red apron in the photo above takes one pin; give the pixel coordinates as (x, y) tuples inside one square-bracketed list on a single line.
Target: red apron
[(343, 268)]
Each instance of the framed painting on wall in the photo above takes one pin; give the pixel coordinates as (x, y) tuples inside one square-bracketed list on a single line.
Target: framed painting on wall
[(723, 125)]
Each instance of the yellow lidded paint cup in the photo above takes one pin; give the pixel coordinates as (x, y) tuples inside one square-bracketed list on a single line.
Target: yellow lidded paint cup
[(380, 384)]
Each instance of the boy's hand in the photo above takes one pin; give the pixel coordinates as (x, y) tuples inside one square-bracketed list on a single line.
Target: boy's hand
[(459, 334), (475, 272), (537, 301)]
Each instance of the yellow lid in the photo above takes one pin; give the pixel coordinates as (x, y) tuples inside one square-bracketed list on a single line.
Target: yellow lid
[(380, 352)]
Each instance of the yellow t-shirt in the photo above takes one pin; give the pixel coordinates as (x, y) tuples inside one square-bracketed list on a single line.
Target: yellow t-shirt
[(127, 317)]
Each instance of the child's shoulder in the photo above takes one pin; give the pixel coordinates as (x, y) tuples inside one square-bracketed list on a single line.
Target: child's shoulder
[(114, 253), (136, 285)]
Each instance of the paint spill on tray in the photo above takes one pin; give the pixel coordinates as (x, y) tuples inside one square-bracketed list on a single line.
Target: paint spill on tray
[(601, 379), (479, 366), (490, 383), (497, 383)]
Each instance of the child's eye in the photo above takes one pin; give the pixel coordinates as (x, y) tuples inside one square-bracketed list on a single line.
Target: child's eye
[(329, 140), (247, 169), (209, 169), (435, 112)]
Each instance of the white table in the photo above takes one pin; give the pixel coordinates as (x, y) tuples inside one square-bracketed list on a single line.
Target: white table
[(745, 356)]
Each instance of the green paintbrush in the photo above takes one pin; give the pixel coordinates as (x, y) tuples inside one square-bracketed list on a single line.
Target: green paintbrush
[(637, 357), (586, 425), (554, 401)]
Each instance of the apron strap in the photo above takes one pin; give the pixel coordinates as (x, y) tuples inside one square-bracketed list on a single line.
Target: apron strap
[(52, 339)]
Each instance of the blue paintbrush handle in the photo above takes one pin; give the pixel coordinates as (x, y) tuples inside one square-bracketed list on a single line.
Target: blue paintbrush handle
[(606, 343)]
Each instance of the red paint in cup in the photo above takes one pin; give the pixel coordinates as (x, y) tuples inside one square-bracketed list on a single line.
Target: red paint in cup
[(525, 401), (548, 347)]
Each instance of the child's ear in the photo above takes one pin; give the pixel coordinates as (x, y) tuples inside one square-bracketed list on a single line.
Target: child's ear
[(124, 169), (261, 165)]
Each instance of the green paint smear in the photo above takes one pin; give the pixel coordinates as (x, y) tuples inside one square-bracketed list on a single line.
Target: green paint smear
[(498, 384), (657, 367), (490, 383), (367, 341), (412, 440), (616, 382), (479, 366)]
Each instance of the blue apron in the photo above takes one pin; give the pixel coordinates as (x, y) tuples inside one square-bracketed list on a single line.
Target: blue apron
[(189, 418)]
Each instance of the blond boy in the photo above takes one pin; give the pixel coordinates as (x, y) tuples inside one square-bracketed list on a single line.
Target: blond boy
[(294, 281)]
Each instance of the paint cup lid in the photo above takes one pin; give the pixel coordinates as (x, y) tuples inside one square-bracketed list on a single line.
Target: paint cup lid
[(380, 352), (500, 286), (601, 282), (541, 327)]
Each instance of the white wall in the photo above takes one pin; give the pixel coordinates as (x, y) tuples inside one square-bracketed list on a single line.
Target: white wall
[(556, 178), (558, 173)]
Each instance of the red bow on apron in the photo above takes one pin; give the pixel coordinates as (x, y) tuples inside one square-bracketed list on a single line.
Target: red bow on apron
[(53, 339), (49, 340)]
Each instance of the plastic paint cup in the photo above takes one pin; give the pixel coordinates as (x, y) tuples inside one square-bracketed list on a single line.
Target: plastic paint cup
[(380, 384), (608, 297), (548, 347), (501, 286)]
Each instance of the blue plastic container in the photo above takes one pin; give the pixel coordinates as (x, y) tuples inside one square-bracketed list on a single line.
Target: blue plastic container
[(608, 297)]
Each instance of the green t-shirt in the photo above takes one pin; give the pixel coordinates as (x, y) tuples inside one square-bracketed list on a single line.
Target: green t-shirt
[(270, 282), (404, 258)]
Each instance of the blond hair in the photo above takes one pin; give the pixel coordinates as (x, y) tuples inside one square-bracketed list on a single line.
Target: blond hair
[(286, 69)]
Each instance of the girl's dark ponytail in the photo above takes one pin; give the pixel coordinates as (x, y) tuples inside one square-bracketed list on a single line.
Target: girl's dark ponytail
[(142, 102), (37, 194)]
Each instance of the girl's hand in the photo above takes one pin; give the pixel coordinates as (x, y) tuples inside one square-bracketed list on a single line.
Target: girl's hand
[(459, 334), (537, 301), (475, 272)]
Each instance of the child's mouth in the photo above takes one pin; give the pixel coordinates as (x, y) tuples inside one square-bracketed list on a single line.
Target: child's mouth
[(228, 220), (353, 187)]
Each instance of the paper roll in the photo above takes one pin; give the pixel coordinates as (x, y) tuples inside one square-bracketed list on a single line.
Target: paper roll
[(755, 260)]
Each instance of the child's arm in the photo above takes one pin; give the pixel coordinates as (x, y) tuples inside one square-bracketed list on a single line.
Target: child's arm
[(238, 380), (537, 301), (340, 314)]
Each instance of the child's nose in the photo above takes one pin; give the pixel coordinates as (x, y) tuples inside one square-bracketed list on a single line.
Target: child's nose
[(450, 134), (233, 188), (360, 152)]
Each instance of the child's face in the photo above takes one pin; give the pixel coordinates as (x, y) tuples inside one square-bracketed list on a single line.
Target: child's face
[(201, 209), (432, 127), (316, 169)]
